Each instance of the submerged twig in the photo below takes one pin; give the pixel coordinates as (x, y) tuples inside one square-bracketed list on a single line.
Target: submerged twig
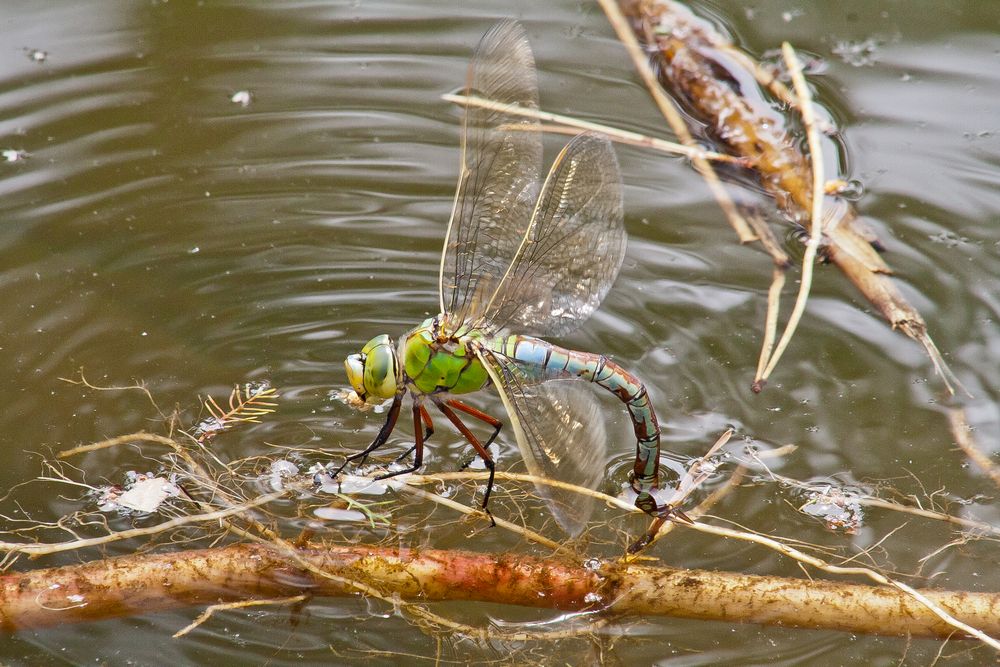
[(767, 239), (239, 604), (771, 320), (962, 433), (673, 117), (689, 65)]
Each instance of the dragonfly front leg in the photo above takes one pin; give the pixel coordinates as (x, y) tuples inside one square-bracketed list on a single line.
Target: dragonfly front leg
[(381, 438), (474, 441), (418, 444)]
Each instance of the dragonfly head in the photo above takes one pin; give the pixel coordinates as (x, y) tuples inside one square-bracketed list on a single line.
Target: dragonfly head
[(375, 372)]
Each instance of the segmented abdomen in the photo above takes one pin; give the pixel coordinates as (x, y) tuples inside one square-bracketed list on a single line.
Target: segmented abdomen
[(543, 361)]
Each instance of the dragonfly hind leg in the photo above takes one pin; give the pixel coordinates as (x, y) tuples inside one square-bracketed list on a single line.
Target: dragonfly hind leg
[(482, 416), (446, 408)]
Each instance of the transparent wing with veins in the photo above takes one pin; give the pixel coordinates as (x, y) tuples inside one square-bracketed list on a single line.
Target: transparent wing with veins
[(560, 432), (573, 247), (498, 181)]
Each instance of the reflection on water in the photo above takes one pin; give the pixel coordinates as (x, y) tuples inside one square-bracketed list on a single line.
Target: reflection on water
[(156, 229)]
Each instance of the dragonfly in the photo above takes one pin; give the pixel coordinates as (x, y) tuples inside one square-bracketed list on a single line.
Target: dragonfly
[(520, 254)]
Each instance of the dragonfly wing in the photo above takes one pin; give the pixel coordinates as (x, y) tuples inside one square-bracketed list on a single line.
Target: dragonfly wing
[(573, 248), (560, 434), (500, 172)]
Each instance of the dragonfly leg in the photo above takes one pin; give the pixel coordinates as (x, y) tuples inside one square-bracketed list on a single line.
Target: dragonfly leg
[(474, 441), (428, 425), (480, 415), (417, 449), (426, 416), (381, 438)]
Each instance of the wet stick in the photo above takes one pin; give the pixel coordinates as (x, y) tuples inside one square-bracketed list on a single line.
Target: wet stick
[(577, 125), (695, 64), (962, 433), (673, 117), (146, 583)]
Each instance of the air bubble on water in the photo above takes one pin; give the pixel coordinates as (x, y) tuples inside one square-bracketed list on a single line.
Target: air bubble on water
[(852, 190), (838, 508), (280, 471), (858, 53), (242, 97)]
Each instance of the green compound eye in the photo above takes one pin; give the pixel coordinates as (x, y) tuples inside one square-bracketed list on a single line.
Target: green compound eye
[(374, 372)]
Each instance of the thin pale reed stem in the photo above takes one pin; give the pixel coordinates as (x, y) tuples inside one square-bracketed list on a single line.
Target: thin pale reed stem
[(818, 191)]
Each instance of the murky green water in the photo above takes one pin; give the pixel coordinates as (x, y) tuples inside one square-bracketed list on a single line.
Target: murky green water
[(156, 230)]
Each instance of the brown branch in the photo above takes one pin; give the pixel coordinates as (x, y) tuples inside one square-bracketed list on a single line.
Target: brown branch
[(132, 585)]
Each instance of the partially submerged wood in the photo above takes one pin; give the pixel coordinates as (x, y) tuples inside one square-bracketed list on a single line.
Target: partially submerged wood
[(132, 585), (703, 72)]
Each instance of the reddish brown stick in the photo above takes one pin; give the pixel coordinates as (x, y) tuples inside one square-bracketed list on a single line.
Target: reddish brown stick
[(133, 585)]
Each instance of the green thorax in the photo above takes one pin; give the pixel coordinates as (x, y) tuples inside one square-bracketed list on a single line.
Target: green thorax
[(434, 362)]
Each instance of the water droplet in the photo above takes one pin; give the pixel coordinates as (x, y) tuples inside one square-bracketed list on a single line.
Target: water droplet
[(852, 190)]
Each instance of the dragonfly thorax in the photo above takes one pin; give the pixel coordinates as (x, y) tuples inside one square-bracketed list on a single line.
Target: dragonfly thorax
[(437, 361)]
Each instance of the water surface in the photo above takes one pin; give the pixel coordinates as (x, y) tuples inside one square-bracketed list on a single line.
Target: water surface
[(156, 230)]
